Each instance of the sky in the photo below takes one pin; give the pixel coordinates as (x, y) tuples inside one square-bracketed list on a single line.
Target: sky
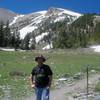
[(29, 6)]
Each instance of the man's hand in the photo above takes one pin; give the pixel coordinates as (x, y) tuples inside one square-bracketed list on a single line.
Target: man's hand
[(33, 85), (48, 87), (50, 80)]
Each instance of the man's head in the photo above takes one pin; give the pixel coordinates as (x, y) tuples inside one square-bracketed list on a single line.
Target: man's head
[(40, 59)]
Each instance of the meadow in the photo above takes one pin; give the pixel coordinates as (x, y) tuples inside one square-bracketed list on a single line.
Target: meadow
[(15, 68)]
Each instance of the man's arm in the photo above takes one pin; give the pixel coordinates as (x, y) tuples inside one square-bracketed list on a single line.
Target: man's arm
[(50, 80), (50, 74), (32, 82)]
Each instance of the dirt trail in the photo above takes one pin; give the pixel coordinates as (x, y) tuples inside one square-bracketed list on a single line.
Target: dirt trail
[(61, 94)]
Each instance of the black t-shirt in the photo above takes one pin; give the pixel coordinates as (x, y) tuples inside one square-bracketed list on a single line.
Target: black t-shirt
[(41, 75)]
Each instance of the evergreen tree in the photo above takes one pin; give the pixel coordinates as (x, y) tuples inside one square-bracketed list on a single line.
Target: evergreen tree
[(26, 41), (97, 33), (7, 35), (60, 40), (1, 34), (15, 39)]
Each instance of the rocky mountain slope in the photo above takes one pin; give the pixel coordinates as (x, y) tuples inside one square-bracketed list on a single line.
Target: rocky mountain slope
[(28, 23), (36, 23)]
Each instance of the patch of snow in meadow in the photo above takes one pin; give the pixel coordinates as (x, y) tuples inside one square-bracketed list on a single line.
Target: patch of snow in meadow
[(49, 46), (5, 49), (96, 48)]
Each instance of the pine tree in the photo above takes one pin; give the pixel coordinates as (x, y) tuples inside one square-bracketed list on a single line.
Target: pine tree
[(61, 40), (1, 34), (26, 41), (7, 35), (15, 39), (97, 33)]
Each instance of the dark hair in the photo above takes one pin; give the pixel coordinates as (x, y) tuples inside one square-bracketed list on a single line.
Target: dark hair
[(40, 57)]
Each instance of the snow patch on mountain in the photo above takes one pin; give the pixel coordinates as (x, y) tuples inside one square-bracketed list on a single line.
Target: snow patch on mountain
[(33, 25), (24, 31), (49, 46), (61, 18), (42, 12), (15, 19), (38, 19), (40, 37), (70, 12)]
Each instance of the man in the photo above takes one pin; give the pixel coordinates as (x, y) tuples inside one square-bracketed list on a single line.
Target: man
[(41, 77)]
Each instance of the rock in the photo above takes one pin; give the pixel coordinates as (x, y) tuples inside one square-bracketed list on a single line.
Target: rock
[(78, 76), (93, 71), (96, 97), (67, 75), (62, 79), (17, 73)]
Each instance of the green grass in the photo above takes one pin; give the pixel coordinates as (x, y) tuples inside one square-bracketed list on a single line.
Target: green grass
[(61, 62), (1, 92), (97, 88)]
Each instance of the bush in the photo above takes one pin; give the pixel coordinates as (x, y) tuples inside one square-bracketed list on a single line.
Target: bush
[(17, 73), (1, 92), (97, 88)]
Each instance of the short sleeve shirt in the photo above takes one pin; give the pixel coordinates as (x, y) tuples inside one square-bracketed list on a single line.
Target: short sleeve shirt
[(41, 74)]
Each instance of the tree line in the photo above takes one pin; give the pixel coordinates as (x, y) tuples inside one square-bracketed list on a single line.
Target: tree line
[(9, 38), (81, 33)]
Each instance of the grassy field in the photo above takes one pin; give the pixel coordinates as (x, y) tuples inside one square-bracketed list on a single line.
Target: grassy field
[(15, 68)]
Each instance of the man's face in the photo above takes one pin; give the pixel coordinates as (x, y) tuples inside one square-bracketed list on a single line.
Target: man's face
[(40, 60)]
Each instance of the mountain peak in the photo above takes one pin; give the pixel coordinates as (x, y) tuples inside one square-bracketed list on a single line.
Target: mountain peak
[(55, 11)]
